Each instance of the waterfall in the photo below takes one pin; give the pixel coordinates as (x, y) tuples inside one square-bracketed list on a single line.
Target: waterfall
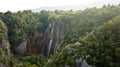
[(51, 38), (50, 44), (55, 31)]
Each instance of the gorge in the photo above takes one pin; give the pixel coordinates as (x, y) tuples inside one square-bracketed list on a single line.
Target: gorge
[(83, 38)]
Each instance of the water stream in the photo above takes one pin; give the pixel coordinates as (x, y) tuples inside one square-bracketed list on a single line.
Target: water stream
[(51, 38)]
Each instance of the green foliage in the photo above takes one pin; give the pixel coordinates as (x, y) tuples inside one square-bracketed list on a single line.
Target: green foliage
[(33, 61), (97, 30), (103, 44), (3, 30), (88, 19), (117, 52), (20, 25), (66, 56)]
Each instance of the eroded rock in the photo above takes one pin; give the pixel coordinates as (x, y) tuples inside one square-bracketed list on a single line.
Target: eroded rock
[(2, 65), (22, 48)]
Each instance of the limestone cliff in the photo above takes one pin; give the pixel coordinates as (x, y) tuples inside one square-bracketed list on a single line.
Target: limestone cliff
[(47, 42), (4, 45), (34, 43)]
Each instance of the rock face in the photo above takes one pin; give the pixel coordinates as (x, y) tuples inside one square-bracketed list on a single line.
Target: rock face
[(22, 48), (54, 37), (34, 43), (4, 43), (4, 46), (82, 63), (47, 42), (2, 65)]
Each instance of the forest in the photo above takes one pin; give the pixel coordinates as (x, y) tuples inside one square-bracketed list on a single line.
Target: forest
[(83, 38)]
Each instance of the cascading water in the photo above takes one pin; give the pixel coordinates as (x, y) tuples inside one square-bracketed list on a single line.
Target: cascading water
[(51, 38), (57, 32), (50, 44)]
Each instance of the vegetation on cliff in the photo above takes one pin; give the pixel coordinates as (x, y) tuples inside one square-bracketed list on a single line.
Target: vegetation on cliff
[(91, 35)]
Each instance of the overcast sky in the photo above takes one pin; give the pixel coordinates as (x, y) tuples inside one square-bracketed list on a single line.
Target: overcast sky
[(15, 5)]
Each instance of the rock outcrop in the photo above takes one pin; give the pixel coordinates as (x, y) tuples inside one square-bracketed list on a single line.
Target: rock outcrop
[(34, 43), (4, 45), (22, 48)]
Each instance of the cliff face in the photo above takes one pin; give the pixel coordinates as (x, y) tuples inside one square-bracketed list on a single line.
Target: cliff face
[(47, 42), (53, 38), (4, 45), (34, 43)]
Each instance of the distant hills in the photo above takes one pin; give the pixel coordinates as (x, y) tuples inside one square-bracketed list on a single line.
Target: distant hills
[(97, 4)]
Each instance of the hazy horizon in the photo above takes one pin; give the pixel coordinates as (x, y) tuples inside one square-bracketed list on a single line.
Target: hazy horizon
[(18, 5)]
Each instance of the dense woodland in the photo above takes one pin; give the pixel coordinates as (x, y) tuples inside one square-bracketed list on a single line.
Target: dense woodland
[(92, 34)]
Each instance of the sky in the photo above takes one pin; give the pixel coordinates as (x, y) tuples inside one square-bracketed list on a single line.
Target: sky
[(16, 5)]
